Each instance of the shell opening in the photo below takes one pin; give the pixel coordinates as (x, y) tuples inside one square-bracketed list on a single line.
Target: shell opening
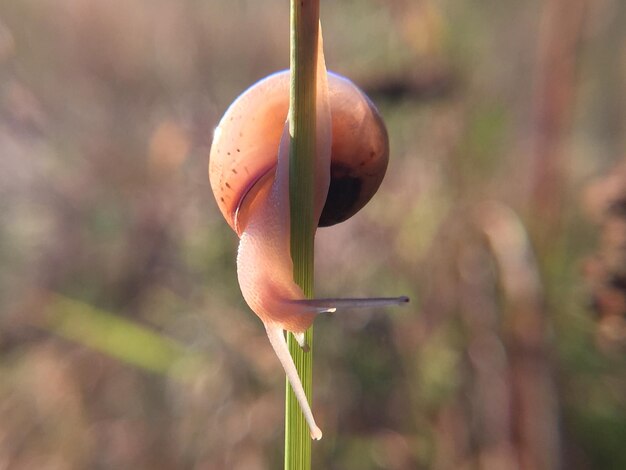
[(343, 193)]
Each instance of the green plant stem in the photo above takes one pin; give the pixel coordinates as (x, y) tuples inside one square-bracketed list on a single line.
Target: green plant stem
[(303, 40)]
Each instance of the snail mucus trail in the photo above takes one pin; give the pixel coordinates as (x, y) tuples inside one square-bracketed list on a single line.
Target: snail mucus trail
[(249, 175)]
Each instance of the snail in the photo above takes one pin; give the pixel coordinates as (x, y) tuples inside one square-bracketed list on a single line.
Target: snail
[(249, 175)]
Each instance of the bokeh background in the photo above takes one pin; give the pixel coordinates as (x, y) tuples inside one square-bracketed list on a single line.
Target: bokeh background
[(124, 340)]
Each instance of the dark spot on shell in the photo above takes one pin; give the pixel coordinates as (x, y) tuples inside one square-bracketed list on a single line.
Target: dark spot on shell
[(228, 185), (222, 199), (343, 193), (238, 150), (233, 170), (228, 153)]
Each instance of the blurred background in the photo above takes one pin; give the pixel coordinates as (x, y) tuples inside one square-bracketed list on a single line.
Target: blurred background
[(124, 340)]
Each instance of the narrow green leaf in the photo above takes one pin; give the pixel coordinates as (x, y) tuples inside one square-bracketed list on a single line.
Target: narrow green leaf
[(120, 337), (303, 40)]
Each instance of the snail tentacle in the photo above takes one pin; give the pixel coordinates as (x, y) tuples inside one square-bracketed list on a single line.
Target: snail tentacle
[(331, 305), (299, 336), (277, 340)]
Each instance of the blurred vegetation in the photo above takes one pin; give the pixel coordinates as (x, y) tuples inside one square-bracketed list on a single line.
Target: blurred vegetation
[(124, 341)]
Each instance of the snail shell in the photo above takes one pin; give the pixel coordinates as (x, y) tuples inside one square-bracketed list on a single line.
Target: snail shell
[(244, 150)]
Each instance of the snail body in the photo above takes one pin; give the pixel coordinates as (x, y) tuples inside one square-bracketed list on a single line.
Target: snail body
[(249, 175)]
